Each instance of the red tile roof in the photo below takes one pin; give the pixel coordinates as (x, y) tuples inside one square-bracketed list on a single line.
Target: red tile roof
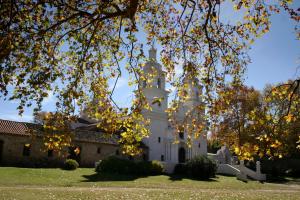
[(11, 127)]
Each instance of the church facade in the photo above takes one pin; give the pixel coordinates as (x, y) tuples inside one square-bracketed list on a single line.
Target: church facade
[(162, 143)]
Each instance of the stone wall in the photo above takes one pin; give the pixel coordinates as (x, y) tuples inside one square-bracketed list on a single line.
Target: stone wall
[(13, 146), (12, 152)]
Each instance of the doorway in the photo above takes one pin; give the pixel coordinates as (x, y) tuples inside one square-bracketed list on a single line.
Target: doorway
[(181, 155)]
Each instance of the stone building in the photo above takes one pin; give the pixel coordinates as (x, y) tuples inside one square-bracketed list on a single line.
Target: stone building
[(20, 148)]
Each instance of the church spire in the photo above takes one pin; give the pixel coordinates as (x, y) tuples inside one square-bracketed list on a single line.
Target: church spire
[(152, 53)]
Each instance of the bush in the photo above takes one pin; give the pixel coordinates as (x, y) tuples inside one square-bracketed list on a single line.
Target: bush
[(117, 165), (71, 164), (180, 169), (201, 167), (281, 167), (156, 167)]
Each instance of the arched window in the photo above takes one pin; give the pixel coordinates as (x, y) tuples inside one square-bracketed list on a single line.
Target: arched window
[(181, 135), (158, 83)]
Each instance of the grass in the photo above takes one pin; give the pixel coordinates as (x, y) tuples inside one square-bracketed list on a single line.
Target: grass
[(84, 183)]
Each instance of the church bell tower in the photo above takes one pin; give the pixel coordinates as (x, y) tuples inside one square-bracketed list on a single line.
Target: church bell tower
[(153, 86)]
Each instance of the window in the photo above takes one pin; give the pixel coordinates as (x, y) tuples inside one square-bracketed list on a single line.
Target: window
[(117, 152), (99, 150), (199, 145), (158, 139), (50, 153), (158, 83), (26, 149), (181, 135), (162, 158)]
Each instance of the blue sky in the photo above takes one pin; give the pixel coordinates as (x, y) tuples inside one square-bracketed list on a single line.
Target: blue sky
[(275, 58)]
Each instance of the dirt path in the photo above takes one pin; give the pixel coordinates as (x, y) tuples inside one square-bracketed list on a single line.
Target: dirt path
[(290, 189)]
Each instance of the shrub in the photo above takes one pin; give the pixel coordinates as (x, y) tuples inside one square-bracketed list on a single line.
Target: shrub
[(201, 167), (114, 164), (180, 169), (117, 165), (281, 167), (71, 164), (156, 167)]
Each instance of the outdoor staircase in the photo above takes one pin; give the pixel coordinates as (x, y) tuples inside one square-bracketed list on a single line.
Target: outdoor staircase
[(242, 172)]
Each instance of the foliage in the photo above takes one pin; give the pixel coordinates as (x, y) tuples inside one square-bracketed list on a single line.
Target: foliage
[(263, 125), (71, 164), (281, 167), (213, 145), (201, 167), (74, 49), (117, 165), (180, 169), (231, 116)]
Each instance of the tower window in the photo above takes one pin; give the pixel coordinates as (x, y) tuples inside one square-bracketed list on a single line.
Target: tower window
[(158, 139), (26, 149), (181, 135), (162, 158), (158, 83)]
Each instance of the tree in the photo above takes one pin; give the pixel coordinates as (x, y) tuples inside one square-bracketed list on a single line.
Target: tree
[(278, 123), (74, 47), (258, 125), (231, 112)]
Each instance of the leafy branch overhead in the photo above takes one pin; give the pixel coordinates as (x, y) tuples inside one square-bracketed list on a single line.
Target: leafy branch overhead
[(74, 48)]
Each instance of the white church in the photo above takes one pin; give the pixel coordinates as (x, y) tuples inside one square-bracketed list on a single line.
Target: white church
[(161, 141)]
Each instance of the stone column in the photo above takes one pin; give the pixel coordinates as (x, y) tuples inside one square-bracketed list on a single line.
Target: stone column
[(258, 167), (242, 163)]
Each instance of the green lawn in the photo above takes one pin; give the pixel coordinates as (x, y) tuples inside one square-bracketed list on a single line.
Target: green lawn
[(21, 183)]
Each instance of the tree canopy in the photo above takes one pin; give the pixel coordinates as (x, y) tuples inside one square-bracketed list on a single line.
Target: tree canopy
[(74, 48)]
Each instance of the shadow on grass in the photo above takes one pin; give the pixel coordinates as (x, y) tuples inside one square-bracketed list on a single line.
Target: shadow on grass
[(283, 180), (122, 177), (110, 177), (175, 177)]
